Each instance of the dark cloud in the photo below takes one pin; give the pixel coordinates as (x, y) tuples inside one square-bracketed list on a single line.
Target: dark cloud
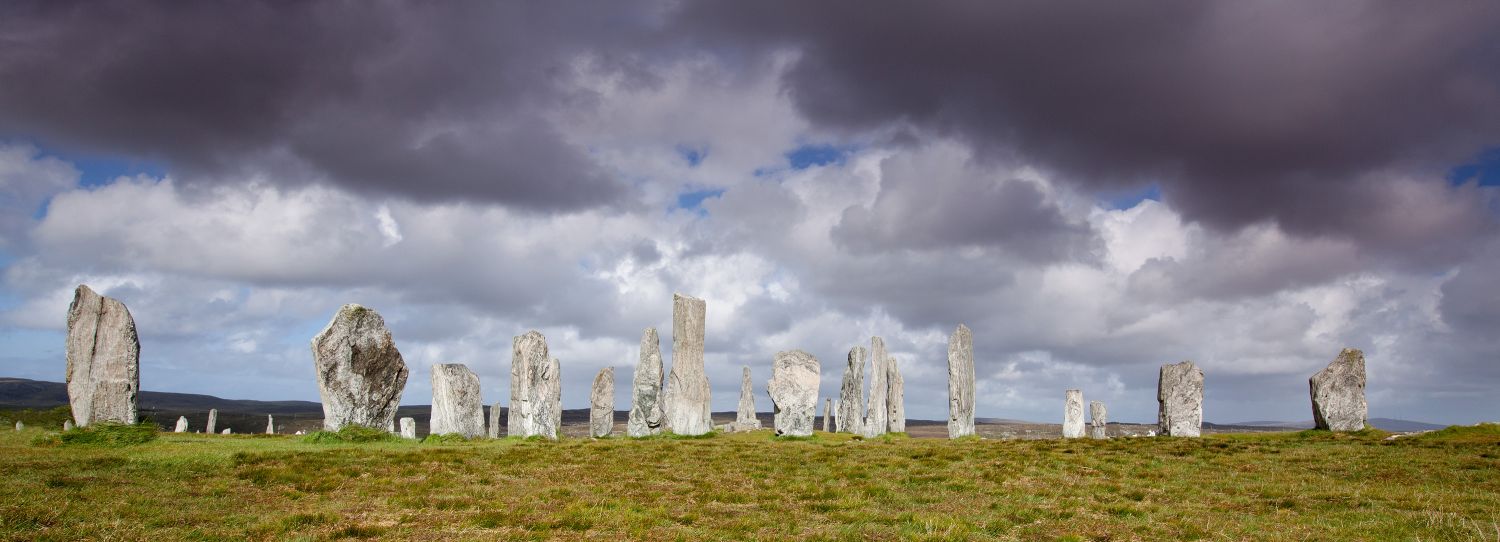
[(436, 101), (1244, 112)]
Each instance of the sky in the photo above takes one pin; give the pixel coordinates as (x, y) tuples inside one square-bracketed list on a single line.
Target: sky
[(1095, 190)]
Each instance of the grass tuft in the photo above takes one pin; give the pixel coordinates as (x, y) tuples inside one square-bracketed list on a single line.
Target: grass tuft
[(104, 435), (349, 434)]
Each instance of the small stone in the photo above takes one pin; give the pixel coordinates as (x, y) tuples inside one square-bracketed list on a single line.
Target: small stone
[(895, 398), (961, 383), (744, 415), (645, 389), (1179, 390), (1073, 415), (1098, 423), (851, 414), (687, 392), (528, 355), (457, 406), (213, 420), (270, 425), (182, 425), (877, 417), (409, 428), (794, 392), (227, 431), (828, 415), (1338, 393), (360, 373), (602, 404), (103, 355), (19, 425), (67, 425)]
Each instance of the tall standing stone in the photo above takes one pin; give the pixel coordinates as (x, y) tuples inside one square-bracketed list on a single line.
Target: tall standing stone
[(1179, 390), (182, 425), (877, 418), (457, 406), (1338, 393), (961, 382), (1073, 415), (409, 428), (828, 415), (545, 418), (213, 421), (895, 398), (744, 415), (645, 389), (687, 394), (528, 354), (850, 418), (493, 431), (270, 425), (794, 392), (1098, 422), (360, 373), (602, 404), (103, 354)]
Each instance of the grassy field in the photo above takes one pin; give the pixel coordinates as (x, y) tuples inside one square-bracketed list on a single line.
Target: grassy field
[(1288, 486)]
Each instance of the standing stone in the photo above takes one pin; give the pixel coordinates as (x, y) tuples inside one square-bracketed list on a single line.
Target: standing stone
[(409, 428), (645, 389), (794, 392), (602, 404), (67, 425), (227, 431), (360, 373), (828, 415), (961, 382), (270, 425), (851, 414), (545, 418), (103, 355), (744, 414), (1338, 393), (877, 418), (457, 406), (19, 425), (895, 398), (1073, 415), (1179, 390), (687, 394), (493, 431), (1098, 423), (528, 354), (182, 425)]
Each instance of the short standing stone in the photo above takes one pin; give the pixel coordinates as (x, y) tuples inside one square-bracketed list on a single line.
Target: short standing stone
[(213, 421), (226, 431), (1073, 414), (19, 425), (67, 425), (270, 425), (828, 415), (645, 389), (895, 398), (794, 392), (103, 354), (457, 406), (877, 417), (687, 392), (602, 404), (961, 382), (1338, 393), (1179, 390), (182, 425), (744, 415), (528, 355), (409, 428), (850, 418), (1098, 420), (360, 373)]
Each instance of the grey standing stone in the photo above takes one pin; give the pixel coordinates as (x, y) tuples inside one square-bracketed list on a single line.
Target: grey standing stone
[(103, 354), (1073, 415), (895, 398), (19, 425), (226, 431), (850, 418), (793, 388), (528, 355), (67, 425), (409, 428), (1179, 390), (744, 414), (182, 425), (687, 391), (360, 373), (493, 429), (828, 415), (1338, 393), (270, 425), (545, 419), (1098, 420), (457, 406), (602, 404), (645, 389), (876, 417), (213, 421), (961, 382)]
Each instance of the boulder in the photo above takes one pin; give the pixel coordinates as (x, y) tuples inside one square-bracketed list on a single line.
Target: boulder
[(1098, 421), (794, 392), (850, 418), (877, 417), (409, 428), (103, 356), (744, 415), (961, 382), (457, 406), (1073, 414), (182, 425), (1338, 393), (602, 404), (1179, 390), (645, 389), (67, 425), (528, 354), (687, 391), (360, 373)]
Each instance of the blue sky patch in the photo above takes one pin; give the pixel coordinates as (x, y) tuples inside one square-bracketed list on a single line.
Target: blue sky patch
[(692, 155), (1127, 198), (808, 156), (693, 201), (1485, 169)]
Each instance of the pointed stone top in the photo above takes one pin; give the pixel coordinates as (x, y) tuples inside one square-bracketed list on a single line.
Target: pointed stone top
[(962, 330)]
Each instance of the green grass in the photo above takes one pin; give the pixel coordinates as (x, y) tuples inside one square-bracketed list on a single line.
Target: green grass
[(350, 434), (109, 435), (1287, 486)]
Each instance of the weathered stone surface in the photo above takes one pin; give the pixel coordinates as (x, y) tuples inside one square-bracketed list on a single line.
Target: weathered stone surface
[(270, 425), (1338, 393), (828, 415), (1179, 391), (457, 406), (360, 373), (226, 431), (67, 425), (687, 391), (103, 354), (744, 413), (213, 421), (493, 430), (409, 428), (182, 425), (545, 419), (895, 398), (528, 354), (961, 382), (1073, 414), (877, 417), (794, 392), (1098, 420), (850, 418), (602, 404), (645, 389)]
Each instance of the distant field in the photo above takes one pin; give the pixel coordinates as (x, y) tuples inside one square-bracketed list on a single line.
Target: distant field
[(1277, 486)]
